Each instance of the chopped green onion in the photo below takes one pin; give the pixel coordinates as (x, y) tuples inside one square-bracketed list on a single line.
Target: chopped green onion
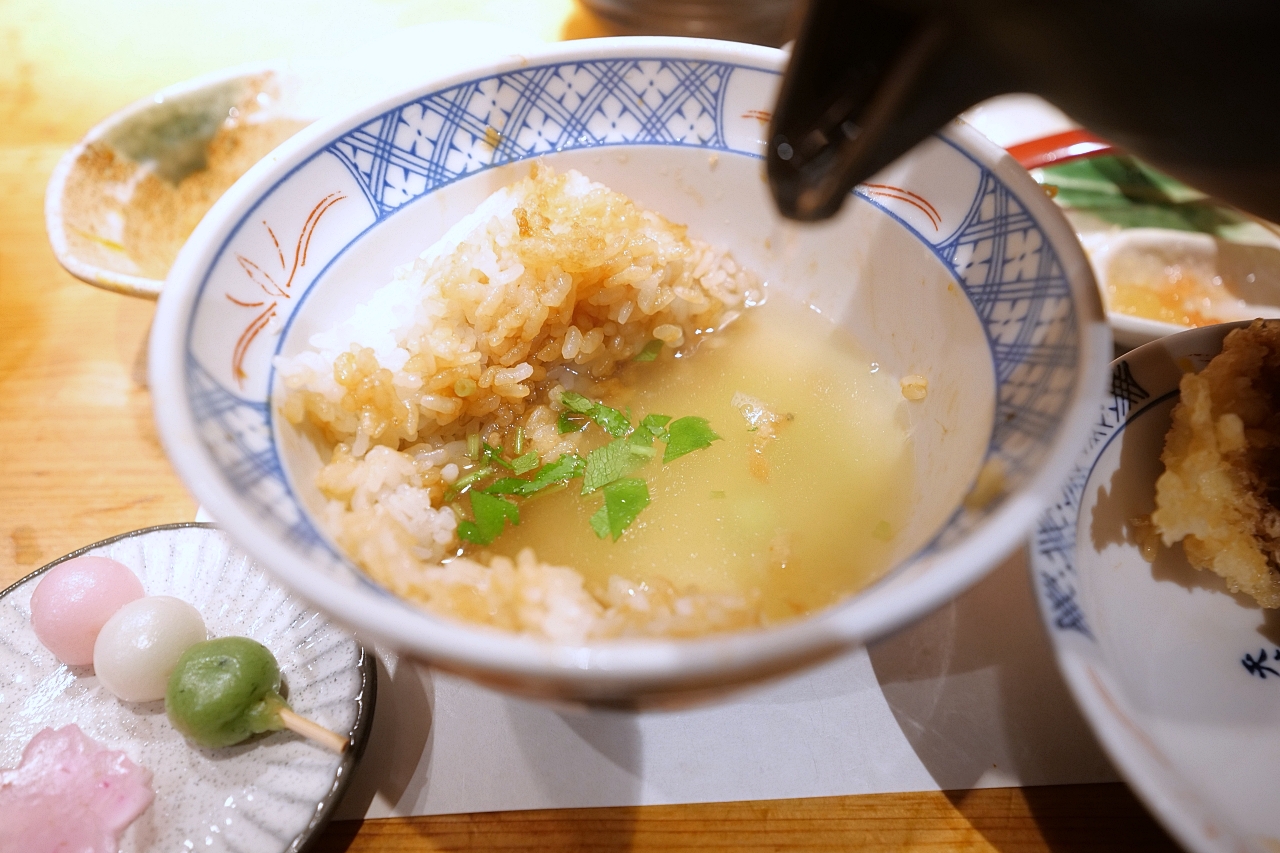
[(687, 435), (650, 351), (473, 446), (464, 387), (519, 441)]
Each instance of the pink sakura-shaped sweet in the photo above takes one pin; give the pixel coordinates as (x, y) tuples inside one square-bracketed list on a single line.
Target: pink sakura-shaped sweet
[(70, 793)]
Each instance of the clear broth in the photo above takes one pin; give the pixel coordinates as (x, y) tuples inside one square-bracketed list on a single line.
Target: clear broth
[(838, 486)]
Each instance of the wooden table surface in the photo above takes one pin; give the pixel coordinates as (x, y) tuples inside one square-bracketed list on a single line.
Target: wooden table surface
[(81, 460)]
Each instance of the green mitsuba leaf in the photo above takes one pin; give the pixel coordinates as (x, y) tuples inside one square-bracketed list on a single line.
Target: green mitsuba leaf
[(466, 480), (571, 423), (651, 427), (616, 459), (565, 468), (610, 420), (687, 435), (526, 463), (576, 403), (491, 516), (494, 454), (623, 501), (650, 351)]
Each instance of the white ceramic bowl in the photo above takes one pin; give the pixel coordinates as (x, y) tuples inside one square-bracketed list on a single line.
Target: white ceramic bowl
[(952, 264), (1178, 677)]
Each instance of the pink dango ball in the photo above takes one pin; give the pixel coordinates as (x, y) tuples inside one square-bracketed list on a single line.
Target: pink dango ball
[(75, 599)]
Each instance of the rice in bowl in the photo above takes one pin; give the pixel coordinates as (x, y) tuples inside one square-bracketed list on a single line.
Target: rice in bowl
[(551, 284)]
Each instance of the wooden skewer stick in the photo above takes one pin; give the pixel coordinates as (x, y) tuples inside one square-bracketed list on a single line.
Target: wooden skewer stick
[(313, 731)]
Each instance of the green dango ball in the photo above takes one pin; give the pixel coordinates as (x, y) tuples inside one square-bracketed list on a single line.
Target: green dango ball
[(224, 691)]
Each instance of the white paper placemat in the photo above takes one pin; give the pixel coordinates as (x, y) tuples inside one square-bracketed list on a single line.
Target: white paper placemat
[(968, 697)]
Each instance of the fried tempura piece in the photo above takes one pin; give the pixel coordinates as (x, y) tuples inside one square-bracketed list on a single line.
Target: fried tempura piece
[(1221, 483)]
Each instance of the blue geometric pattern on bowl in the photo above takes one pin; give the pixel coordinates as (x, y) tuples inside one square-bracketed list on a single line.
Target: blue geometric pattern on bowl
[(429, 143), (1055, 535), (1017, 286), (999, 255)]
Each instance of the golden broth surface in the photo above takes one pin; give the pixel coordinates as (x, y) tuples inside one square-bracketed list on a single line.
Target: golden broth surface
[(820, 525)]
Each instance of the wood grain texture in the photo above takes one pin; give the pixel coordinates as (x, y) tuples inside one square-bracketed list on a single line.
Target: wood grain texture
[(1095, 818), (81, 460)]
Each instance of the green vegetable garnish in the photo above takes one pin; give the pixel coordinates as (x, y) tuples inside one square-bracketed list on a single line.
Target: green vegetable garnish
[(575, 402), (616, 459), (494, 454), (650, 351), (687, 435), (623, 500), (509, 486), (571, 423), (610, 420), (525, 463), (491, 516), (605, 468), (651, 427), (461, 484), (564, 468)]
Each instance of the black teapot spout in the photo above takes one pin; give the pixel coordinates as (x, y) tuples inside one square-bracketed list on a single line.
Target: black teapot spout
[(1192, 86)]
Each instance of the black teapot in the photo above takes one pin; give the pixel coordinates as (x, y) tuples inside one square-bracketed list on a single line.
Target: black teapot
[(1192, 86)]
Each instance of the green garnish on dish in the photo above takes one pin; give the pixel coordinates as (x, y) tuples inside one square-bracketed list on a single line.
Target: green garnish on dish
[(491, 516), (687, 435), (604, 469), (650, 351), (623, 500)]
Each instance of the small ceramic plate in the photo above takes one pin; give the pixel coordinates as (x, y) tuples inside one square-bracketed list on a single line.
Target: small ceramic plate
[(269, 794), (1179, 678), (1242, 274)]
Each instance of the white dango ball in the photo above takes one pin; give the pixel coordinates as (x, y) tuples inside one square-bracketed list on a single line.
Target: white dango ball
[(139, 647)]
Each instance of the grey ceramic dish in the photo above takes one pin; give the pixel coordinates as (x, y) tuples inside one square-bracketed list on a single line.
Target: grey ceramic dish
[(273, 793)]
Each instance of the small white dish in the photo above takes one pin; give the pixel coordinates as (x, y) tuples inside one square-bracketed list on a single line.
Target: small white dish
[(1248, 269), (1179, 678), (112, 223), (271, 793), (1235, 281)]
